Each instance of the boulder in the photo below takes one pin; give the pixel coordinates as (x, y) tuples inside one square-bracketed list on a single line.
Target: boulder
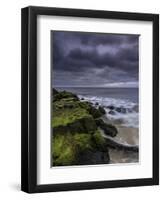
[(65, 94), (109, 129), (102, 110), (136, 108), (111, 107), (121, 110), (76, 138), (112, 112)]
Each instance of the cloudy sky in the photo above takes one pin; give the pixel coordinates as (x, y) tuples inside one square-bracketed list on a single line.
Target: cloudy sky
[(94, 60)]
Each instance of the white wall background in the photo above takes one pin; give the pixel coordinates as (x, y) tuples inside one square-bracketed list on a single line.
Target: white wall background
[(10, 79)]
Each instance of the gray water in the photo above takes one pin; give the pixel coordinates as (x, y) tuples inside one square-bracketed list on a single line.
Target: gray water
[(130, 94)]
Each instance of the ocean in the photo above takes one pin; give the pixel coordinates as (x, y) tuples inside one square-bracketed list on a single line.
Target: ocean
[(121, 104)]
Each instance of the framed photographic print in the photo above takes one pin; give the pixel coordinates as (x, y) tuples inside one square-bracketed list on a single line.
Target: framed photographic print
[(90, 99)]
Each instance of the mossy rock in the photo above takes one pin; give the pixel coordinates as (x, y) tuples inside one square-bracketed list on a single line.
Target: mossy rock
[(79, 148), (66, 116), (89, 124), (76, 138), (83, 141), (85, 124), (95, 112), (109, 129), (63, 151), (102, 110), (72, 117), (65, 94), (99, 140)]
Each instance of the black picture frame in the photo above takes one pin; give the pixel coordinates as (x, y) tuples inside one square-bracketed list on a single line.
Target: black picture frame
[(29, 99)]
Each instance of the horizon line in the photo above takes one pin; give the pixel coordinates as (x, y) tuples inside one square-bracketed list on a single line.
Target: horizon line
[(90, 87)]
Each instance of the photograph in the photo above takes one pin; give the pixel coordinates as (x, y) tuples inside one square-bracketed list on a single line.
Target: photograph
[(94, 98), (89, 99)]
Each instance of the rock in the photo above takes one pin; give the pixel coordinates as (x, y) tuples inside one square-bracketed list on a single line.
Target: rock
[(112, 112), (97, 154), (111, 107), (79, 149), (68, 106), (89, 124), (82, 98), (64, 94), (54, 91), (76, 138), (93, 157), (120, 110), (84, 125), (95, 112), (136, 108), (109, 129), (123, 110), (96, 104), (99, 122), (102, 110)]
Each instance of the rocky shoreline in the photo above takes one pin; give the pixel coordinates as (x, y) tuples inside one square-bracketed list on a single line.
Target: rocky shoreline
[(77, 132)]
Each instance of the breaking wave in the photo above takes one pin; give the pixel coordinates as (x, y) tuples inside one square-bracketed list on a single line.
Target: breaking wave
[(121, 111)]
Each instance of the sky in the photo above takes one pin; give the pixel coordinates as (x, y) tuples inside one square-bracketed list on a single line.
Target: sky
[(81, 59)]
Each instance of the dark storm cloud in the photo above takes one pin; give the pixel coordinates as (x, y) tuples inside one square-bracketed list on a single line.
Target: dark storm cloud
[(89, 59)]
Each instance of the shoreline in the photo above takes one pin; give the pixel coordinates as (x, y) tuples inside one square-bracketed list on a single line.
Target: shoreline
[(126, 135)]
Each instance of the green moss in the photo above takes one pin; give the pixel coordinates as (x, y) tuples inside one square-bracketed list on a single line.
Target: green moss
[(99, 140), (67, 116), (66, 147), (83, 141), (64, 94), (63, 150)]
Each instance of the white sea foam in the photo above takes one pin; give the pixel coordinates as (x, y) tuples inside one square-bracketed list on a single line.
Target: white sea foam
[(131, 116)]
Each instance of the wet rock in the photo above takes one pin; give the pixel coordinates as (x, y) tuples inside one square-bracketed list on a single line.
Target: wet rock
[(102, 110), (118, 109), (93, 157), (111, 107), (96, 104), (109, 129), (121, 110), (95, 112), (112, 112), (136, 108)]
